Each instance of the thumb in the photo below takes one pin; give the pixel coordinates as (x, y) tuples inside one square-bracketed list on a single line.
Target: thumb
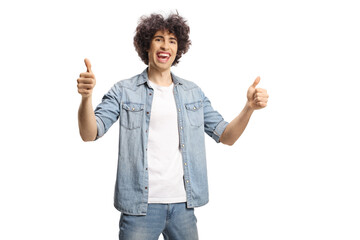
[(88, 65), (256, 82)]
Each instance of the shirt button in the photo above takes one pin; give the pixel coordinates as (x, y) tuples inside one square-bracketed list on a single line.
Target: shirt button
[(150, 94), (133, 109), (145, 187), (179, 109), (185, 164), (147, 112), (183, 145), (181, 127), (187, 181), (194, 108)]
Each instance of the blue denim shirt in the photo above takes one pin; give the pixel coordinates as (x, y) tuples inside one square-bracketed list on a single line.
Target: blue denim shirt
[(130, 100)]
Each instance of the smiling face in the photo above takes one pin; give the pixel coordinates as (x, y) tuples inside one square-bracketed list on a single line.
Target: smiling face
[(163, 49)]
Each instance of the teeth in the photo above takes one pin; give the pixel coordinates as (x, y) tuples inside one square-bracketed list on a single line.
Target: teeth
[(164, 55)]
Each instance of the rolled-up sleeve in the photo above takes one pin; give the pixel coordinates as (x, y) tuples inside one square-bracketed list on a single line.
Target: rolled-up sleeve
[(214, 123), (108, 111)]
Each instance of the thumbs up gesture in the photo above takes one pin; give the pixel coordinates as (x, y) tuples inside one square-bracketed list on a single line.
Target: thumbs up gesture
[(257, 97), (86, 81)]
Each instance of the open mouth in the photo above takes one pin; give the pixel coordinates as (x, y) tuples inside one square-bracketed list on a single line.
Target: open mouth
[(163, 56)]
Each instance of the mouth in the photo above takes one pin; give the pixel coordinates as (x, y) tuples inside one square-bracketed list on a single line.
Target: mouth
[(163, 56)]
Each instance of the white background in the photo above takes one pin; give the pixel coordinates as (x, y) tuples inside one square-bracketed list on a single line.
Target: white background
[(293, 174)]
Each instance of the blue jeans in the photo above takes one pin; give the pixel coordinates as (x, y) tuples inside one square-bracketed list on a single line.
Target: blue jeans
[(174, 221)]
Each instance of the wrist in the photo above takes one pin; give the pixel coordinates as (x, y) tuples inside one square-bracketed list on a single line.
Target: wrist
[(85, 98), (248, 107)]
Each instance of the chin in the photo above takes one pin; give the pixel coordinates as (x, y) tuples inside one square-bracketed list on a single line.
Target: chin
[(161, 66)]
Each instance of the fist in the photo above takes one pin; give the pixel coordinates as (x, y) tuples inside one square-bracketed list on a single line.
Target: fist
[(257, 97), (86, 82)]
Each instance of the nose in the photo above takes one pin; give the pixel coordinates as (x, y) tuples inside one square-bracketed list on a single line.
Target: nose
[(165, 45)]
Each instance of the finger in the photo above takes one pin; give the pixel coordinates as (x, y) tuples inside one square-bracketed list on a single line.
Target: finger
[(256, 82), (85, 80), (87, 75), (264, 95), (88, 65), (85, 86), (261, 99), (262, 104), (84, 91), (260, 90)]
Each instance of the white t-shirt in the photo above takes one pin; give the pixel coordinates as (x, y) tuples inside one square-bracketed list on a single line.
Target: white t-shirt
[(165, 165)]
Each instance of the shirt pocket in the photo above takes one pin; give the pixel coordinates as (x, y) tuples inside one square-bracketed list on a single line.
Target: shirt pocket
[(195, 113), (131, 115)]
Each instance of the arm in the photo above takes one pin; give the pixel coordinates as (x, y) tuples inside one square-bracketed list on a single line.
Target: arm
[(86, 116), (257, 99), (237, 126), (86, 119)]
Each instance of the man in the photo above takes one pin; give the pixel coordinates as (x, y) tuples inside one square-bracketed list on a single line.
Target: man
[(161, 173)]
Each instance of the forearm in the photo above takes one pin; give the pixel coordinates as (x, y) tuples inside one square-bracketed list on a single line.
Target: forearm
[(237, 126), (86, 119)]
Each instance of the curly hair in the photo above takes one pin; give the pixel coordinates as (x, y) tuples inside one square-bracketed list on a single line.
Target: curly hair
[(148, 26)]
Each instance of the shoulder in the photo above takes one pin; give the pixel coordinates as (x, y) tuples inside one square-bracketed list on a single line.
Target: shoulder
[(130, 83), (186, 84)]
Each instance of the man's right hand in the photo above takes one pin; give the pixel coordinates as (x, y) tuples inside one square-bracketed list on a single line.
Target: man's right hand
[(86, 81)]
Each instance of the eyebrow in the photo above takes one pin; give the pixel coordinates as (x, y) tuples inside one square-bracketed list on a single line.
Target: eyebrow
[(159, 36)]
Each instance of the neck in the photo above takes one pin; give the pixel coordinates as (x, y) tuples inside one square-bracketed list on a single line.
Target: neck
[(159, 77)]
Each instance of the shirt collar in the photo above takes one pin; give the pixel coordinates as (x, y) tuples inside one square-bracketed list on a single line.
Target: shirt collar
[(144, 78)]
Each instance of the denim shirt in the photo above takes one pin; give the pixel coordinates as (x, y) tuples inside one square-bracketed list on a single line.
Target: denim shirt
[(130, 100)]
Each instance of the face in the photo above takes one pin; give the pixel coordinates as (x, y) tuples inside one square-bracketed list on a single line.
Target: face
[(163, 49)]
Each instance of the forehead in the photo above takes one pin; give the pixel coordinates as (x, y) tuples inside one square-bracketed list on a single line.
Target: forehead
[(164, 33)]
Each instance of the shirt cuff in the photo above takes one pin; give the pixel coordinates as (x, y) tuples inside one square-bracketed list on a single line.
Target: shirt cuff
[(100, 127), (219, 130)]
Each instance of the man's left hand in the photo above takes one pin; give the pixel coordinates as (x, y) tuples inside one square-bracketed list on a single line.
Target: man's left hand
[(257, 97)]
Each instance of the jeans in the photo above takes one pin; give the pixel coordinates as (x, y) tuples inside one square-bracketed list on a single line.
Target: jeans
[(174, 221)]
